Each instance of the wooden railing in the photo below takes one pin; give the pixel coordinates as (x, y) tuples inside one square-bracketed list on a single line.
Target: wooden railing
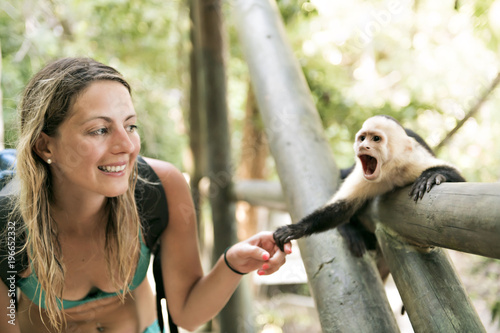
[(348, 291)]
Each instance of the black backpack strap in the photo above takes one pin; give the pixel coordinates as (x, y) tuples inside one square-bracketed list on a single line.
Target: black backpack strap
[(153, 210), (151, 204), (160, 293), (12, 240)]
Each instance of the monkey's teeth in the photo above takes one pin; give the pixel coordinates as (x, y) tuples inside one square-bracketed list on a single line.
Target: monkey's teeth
[(112, 168)]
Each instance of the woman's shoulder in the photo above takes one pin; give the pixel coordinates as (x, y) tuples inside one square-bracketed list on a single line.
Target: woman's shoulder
[(169, 175)]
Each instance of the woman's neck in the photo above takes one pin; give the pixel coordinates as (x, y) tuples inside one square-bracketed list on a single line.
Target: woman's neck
[(78, 216)]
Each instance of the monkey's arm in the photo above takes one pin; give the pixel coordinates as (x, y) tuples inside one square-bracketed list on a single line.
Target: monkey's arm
[(327, 216), (322, 219), (434, 176)]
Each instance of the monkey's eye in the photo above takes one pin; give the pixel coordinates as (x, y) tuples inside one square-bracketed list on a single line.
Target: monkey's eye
[(376, 138), (362, 138)]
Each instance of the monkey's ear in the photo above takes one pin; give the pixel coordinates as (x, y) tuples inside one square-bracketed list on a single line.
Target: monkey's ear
[(410, 143), (43, 146)]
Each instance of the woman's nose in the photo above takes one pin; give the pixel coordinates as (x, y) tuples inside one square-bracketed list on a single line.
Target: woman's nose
[(123, 142)]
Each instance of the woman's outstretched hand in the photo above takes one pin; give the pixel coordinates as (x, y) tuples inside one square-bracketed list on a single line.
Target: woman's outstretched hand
[(258, 252)]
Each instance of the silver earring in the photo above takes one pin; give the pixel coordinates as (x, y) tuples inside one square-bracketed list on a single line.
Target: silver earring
[(49, 161)]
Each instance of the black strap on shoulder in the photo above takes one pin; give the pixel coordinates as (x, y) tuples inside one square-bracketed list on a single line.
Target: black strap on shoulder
[(151, 204), (153, 210), (12, 239)]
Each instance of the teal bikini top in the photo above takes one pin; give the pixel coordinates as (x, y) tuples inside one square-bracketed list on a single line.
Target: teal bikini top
[(30, 287)]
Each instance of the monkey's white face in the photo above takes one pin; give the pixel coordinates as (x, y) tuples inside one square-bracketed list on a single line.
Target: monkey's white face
[(376, 144), (371, 149)]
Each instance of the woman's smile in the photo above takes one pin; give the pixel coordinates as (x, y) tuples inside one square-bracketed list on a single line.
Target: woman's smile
[(113, 169)]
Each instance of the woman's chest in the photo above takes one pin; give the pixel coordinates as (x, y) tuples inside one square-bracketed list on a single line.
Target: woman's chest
[(105, 315), (86, 268)]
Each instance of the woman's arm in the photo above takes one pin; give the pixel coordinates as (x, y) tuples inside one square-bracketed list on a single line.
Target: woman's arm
[(193, 298)]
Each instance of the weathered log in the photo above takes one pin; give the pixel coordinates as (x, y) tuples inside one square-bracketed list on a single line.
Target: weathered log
[(260, 193), (459, 216), (431, 291)]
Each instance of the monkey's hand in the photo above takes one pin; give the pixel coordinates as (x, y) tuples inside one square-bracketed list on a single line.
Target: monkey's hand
[(285, 234), (433, 176), (424, 183)]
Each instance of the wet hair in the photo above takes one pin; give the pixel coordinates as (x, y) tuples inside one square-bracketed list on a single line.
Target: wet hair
[(46, 103)]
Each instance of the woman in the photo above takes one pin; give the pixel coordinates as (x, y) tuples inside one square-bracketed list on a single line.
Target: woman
[(84, 217)]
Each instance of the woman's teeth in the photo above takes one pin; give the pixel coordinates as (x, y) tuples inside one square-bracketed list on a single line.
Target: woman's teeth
[(112, 168)]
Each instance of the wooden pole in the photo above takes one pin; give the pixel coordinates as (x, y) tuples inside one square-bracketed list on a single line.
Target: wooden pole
[(431, 291), (236, 315), (260, 193), (2, 131), (459, 216), (348, 291), (252, 164), (197, 114)]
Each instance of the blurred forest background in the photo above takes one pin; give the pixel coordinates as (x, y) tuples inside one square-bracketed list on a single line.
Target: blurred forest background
[(424, 62), (433, 65)]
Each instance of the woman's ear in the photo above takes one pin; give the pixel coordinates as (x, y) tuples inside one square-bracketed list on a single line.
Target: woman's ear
[(43, 147)]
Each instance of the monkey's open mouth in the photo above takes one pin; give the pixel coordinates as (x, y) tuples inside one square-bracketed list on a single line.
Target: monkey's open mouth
[(369, 164)]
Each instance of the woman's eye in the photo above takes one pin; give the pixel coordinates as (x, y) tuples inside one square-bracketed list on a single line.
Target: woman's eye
[(132, 128), (376, 138), (100, 131)]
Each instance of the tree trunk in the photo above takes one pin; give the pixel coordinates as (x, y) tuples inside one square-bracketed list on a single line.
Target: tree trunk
[(197, 121), (2, 135), (254, 151), (432, 293), (234, 317)]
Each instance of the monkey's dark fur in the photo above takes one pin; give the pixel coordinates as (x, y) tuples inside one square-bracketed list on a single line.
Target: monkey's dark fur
[(388, 156)]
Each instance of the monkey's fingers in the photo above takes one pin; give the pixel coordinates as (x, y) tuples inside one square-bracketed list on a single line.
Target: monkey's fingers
[(435, 180), (418, 189), (285, 234), (281, 237)]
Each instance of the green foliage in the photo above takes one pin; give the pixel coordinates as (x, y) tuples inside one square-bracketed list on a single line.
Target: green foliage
[(495, 312), (144, 39), (487, 270), (423, 63), (291, 9)]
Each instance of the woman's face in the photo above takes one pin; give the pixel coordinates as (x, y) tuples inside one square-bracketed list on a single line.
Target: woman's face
[(94, 150)]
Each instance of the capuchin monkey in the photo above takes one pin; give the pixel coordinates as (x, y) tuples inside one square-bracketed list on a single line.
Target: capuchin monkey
[(387, 156)]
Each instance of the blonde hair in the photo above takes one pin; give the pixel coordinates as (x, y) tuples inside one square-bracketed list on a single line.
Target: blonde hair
[(45, 104)]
